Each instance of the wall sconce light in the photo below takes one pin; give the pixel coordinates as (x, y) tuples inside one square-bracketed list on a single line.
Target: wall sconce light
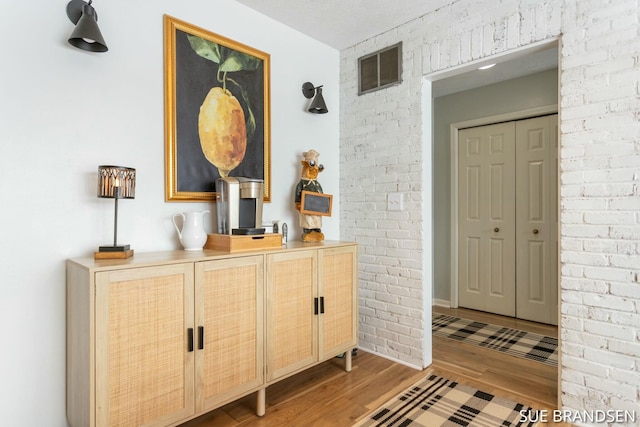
[(86, 35), (116, 182), (317, 105)]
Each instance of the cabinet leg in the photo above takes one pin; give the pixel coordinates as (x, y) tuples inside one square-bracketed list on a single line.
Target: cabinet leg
[(261, 402), (347, 361)]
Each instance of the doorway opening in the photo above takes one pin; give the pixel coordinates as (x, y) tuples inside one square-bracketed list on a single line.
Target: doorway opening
[(437, 215)]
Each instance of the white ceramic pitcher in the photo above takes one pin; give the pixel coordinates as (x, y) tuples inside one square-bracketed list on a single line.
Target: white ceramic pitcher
[(193, 237)]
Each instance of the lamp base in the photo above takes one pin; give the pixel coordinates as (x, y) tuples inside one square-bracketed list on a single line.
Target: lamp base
[(113, 255), (118, 248), (113, 252)]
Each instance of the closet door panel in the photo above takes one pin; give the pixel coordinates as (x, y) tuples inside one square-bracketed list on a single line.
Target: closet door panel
[(536, 219), (486, 179)]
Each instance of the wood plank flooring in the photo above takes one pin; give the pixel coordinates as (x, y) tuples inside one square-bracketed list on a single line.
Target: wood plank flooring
[(326, 395), (525, 381)]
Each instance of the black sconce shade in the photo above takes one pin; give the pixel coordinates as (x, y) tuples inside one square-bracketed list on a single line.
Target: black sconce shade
[(317, 105), (86, 35)]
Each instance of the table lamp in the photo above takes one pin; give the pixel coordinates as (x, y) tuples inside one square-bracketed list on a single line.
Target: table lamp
[(116, 182)]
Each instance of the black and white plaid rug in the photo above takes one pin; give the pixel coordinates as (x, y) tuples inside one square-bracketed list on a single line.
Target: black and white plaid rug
[(511, 341), (439, 402)]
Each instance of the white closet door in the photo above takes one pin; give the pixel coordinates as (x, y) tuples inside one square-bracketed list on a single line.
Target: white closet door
[(486, 206), (536, 219)]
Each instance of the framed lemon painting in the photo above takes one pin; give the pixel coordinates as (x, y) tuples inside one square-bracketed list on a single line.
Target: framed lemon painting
[(216, 112)]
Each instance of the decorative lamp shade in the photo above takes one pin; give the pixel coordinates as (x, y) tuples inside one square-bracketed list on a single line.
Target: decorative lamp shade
[(86, 35), (116, 182), (317, 105)]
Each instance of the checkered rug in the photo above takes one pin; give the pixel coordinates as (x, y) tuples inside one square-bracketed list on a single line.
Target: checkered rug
[(511, 341), (439, 402)]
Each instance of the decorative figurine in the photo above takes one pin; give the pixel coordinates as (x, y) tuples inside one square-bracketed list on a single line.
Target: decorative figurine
[(311, 224)]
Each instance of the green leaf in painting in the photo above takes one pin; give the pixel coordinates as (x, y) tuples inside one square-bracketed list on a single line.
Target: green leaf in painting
[(238, 61), (231, 64), (205, 48), (230, 60)]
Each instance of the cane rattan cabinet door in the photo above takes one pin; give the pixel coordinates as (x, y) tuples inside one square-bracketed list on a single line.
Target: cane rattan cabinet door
[(338, 293), (144, 366), (291, 321), (230, 329)]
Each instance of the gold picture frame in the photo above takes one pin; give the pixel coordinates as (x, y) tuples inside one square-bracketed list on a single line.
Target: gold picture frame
[(217, 95)]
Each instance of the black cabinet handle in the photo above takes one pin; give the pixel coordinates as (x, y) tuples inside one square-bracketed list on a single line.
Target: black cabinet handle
[(190, 339), (200, 337), (315, 306), (321, 305)]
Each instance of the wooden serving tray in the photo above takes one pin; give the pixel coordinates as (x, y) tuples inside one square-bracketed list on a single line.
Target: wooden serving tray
[(238, 243)]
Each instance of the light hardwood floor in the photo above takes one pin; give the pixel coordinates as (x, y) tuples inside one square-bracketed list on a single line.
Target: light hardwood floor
[(326, 395)]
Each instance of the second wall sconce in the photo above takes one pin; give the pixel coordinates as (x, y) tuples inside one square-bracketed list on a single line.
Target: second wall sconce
[(317, 105), (86, 35)]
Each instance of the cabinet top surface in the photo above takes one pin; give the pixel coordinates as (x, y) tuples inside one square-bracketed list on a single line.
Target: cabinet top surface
[(178, 256)]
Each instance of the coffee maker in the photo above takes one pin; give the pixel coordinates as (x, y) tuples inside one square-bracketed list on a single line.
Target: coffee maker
[(239, 205)]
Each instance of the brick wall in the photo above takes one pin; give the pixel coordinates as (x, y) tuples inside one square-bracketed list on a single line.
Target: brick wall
[(382, 151), (600, 205)]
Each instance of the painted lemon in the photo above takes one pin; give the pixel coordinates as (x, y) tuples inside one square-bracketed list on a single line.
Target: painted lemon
[(222, 129)]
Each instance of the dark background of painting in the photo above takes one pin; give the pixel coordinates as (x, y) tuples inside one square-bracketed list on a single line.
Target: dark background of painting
[(195, 76)]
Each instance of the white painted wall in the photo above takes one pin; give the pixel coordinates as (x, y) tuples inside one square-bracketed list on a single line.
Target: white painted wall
[(383, 145), (64, 111)]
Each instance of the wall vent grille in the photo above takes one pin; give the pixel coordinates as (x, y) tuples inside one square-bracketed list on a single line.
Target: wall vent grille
[(380, 69)]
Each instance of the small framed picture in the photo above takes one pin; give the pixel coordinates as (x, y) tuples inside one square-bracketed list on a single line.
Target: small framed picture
[(316, 203)]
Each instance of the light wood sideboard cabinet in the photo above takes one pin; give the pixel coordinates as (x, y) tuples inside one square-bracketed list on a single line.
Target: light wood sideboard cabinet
[(161, 338)]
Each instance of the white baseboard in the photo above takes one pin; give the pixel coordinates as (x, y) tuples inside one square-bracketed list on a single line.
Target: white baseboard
[(441, 303), (393, 359)]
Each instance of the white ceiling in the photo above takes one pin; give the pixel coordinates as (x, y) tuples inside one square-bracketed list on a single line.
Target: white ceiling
[(343, 23), (507, 67)]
